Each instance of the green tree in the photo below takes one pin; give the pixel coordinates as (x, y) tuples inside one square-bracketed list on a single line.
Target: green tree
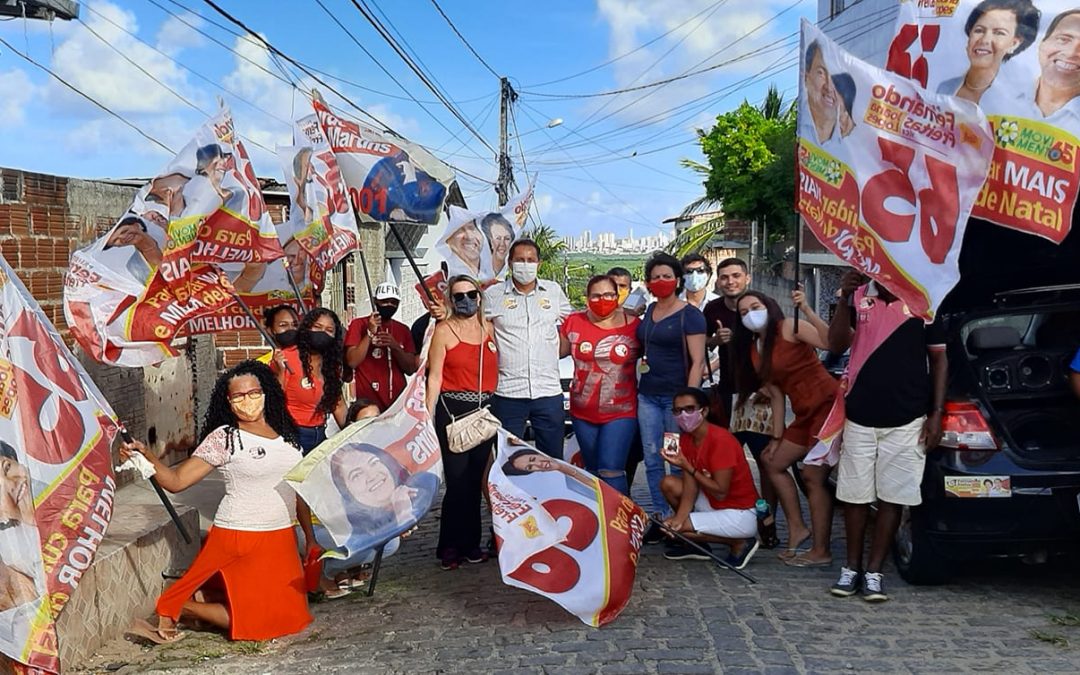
[(552, 248), (750, 168)]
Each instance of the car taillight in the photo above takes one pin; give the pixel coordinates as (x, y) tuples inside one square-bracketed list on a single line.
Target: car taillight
[(963, 427)]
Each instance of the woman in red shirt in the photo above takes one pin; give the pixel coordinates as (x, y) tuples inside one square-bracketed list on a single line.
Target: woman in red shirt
[(311, 373), (463, 369), (603, 395)]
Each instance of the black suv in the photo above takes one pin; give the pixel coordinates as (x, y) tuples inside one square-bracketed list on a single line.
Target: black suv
[(1005, 480)]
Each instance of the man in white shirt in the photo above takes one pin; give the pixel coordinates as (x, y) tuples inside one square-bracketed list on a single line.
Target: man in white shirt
[(527, 312)]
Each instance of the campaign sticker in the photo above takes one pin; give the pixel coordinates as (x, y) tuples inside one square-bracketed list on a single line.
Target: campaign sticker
[(978, 486)]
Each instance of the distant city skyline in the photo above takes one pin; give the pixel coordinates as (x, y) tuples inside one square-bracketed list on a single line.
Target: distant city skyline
[(608, 242)]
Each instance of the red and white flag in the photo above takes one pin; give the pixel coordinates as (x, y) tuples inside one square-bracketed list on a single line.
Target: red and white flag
[(56, 433), (563, 533)]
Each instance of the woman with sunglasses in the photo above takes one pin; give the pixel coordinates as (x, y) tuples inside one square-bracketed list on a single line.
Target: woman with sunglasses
[(251, 547), (463, 369), (603, 394)]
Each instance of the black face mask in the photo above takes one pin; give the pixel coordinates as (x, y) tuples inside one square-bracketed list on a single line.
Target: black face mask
[(319, 340), (287, 338), (386, 312)]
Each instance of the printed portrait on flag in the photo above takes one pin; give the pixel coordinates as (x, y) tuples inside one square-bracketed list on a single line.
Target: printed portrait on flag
[(1020, 62), (563, 533), (887, 171), (56, 481), (377, 478)]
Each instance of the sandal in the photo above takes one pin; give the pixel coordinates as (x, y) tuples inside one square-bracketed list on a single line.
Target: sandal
[(337, 593), (801, 560), (800, 547), (767, 534), (143, 629)]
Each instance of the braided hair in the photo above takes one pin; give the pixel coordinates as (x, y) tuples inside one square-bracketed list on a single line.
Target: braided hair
[(219, 413), (334, 370)]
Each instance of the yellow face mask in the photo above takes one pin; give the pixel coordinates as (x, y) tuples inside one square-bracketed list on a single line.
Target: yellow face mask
[(624, 293)]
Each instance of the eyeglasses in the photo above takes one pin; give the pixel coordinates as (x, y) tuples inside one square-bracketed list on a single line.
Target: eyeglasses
[(604, 296), (472, 295), (241, 395), (696, 270), (684, 409)]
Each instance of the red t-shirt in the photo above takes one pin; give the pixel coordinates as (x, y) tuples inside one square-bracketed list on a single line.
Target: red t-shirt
[(378, 376), (719, 450), (302, 396), (604, 387)]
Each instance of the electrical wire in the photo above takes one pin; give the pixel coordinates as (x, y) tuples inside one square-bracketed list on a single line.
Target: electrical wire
[(97, 103), (463, 40)]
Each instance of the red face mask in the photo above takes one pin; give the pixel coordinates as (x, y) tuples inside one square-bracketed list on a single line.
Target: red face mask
[(601, 307), (663, 288)]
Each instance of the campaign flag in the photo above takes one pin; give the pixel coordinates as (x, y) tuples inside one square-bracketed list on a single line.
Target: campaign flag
[(388, 177), (56, 433), (1017, 62), (887, 171), (477, 243), (377, 478), (563, 533)]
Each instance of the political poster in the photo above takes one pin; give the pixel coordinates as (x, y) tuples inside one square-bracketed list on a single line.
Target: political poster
[(562, 532), (377, 478), (388, 177), (887, 171), (477, 243), (1020, 62), (56, 434)]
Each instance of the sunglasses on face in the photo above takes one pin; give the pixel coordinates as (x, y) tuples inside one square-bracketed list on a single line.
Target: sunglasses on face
[(472, 295), (241, 395), (685, 409)]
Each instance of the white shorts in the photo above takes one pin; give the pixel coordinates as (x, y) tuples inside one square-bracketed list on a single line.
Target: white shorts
[(725, 523), (885, 464)]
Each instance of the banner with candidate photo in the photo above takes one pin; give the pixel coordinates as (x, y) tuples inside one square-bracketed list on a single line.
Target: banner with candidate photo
[(388, 177), (562, 532), (377, 478), (1020, 62), (887, 171), (56, 434)]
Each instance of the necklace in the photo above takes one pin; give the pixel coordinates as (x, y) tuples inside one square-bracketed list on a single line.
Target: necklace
[(976, 88)]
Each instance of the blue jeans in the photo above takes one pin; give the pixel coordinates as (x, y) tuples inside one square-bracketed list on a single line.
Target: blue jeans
[(546, 415), (310, 437), (654, 418), (605, 447)]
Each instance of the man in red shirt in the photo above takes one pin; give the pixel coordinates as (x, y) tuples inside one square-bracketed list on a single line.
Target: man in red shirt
[(380, 350), (714, 495)]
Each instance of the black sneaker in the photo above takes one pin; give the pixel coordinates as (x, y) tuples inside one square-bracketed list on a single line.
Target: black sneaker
[(749, 549), (653, 535), (873, 587), (476, 556), (848, 583), (680, 551)]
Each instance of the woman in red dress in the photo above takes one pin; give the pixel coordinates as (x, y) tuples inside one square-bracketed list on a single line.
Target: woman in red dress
[(250, 554), (770, 354)]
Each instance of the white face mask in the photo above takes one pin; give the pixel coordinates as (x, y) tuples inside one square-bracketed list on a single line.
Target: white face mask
[(524, 272), (695, 281), (756, 319)]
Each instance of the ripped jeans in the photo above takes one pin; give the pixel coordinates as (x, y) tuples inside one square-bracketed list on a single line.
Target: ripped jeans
[(605, 447)]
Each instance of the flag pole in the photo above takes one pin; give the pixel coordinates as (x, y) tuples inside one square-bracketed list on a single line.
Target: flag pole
[(258, 326), (292, 283), (693, 544), (412, 261), (161, 494)]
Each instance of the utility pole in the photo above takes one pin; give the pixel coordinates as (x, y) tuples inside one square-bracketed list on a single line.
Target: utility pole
[(507, 96)]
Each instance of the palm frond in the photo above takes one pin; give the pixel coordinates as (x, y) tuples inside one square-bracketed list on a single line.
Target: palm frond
[(696, 237)]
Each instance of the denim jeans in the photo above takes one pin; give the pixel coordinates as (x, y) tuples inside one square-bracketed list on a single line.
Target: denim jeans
[(310, 437), (605, 447), (654, 418), (545, 413)]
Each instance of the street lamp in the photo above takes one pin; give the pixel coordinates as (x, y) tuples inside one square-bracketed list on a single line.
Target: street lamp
[(552, 123)]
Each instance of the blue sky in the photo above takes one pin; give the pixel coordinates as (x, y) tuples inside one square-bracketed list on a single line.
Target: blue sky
[(589, 174)]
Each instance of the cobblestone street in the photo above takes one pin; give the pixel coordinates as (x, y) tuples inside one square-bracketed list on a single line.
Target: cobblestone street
[(683, 617)]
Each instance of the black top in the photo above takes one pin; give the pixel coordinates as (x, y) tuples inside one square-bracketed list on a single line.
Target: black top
[(419, 328), (893, 388), (715, 311)]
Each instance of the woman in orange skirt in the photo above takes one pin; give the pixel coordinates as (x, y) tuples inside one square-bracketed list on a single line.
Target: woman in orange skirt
[(250, 556)]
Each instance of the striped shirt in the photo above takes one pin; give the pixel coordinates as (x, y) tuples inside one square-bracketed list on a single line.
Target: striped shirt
[(526, 329)]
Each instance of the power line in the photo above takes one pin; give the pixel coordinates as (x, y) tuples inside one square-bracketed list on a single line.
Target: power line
[(463, 40), (88, 97)]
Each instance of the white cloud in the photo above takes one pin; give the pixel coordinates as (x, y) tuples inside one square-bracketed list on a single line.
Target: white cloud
[(178, 33), (16, 93)]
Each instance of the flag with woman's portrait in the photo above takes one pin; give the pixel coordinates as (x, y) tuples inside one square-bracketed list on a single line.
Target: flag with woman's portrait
[(562, 532), (1020, 62), (378, 477), (56, 478)]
